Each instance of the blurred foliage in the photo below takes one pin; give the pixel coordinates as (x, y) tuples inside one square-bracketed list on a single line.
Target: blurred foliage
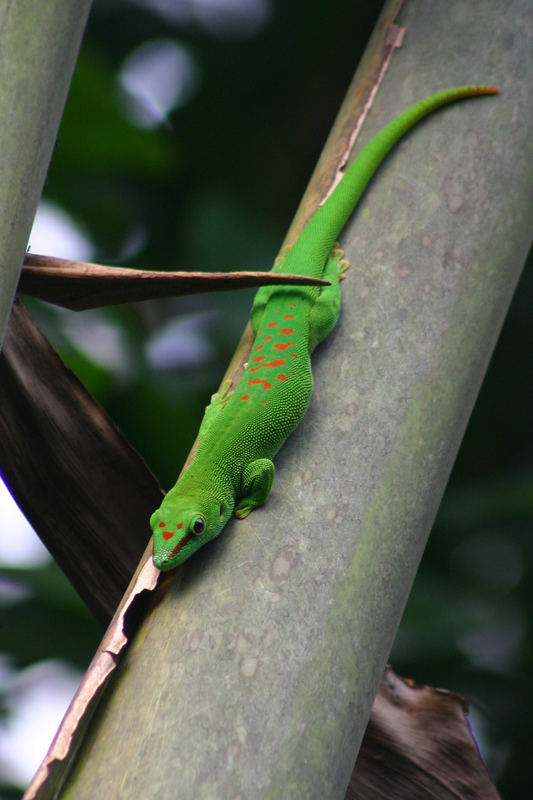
[(215, 187), (48, 621)]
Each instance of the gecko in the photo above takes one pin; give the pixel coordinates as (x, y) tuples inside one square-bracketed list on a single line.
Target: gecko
[(245, 425)]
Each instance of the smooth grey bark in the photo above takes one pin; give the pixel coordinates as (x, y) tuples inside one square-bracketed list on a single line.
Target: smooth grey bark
[(254, 674), (39, 44)]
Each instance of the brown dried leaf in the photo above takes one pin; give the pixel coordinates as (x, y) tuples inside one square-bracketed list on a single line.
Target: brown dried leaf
[(418, 745), (79, 285), (84, 489)]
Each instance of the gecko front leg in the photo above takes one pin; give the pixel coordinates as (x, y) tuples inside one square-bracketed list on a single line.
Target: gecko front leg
[(257, 482)]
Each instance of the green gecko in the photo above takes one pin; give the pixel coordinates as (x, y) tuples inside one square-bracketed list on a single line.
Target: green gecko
[(244, 427)]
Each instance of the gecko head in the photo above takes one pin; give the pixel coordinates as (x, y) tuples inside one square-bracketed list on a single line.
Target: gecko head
[(181, 527)]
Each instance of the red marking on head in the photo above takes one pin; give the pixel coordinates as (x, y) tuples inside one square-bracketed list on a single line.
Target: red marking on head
[(258, 358), (179, 526), (293, 355), (266, 384), (282, 377), (245, 397), (272, 324), (284, 345), (180, 545), (288, 316), (162, 524), (167, 535), (279, 362), (286, 330), (268, 338)]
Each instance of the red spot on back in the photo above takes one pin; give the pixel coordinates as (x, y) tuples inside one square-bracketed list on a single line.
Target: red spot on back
[(286, 330), (268, 338), (245, 397), (258, 358), (288, 316), (272, 324), (266, 384), (280, 362), (293, 355), (282, 377), (162, 524), (284, 345), (292, 305), (167, 535)]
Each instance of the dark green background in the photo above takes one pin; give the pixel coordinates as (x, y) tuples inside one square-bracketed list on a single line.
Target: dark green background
[(217, 188)]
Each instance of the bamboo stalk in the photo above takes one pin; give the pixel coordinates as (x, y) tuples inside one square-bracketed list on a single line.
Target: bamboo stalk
[(39, 44)]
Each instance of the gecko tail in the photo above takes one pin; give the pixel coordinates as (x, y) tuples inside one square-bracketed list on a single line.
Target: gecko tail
[(487, 90), (318, 236)]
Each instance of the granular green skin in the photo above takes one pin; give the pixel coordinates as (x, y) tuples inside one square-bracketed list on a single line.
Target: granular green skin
[(243, 428)]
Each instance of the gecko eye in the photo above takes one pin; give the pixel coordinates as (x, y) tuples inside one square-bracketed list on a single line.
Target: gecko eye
[(198, 526)]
